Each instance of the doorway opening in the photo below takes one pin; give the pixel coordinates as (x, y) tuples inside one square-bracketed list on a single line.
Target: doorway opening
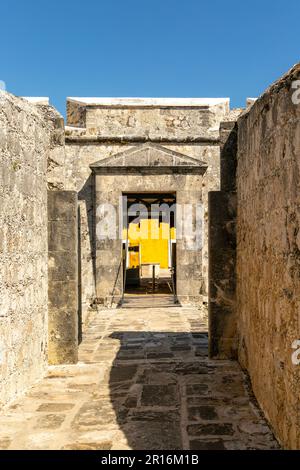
[(149, 245)]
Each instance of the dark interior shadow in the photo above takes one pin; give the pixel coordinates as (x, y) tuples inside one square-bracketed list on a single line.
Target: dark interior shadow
[(146, 385), (86, 195), (113, 293), (79, 278)]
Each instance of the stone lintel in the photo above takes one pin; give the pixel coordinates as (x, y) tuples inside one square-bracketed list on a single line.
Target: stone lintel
[(151, 170)]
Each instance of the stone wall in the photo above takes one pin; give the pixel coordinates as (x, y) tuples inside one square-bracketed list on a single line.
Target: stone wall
[(268, 253), (26, 131), (148, 118)]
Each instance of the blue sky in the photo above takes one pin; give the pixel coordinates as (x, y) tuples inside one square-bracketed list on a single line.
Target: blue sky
[(171, 48)]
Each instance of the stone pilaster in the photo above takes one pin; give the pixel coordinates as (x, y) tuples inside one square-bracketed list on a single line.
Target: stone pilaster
[(63, 277)]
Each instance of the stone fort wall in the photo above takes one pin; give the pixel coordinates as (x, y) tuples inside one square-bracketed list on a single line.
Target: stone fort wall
[(25, 142), (268, 253), (254, 252)]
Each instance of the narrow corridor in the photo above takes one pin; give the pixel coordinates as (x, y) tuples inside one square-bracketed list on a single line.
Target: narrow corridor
[(143, 382)]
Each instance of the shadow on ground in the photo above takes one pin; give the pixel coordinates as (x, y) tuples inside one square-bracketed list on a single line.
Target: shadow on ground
[(167, 395), (147, 385), (143, 382)]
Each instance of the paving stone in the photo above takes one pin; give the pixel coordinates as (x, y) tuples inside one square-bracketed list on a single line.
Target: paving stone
[(207, 445), (55, 407), (106, 445), (130, 357), (154, 435), (122, 373), (193, 368), (216, 429), (159, 355), (202, 412), (118, 388), (94, 413), (51, 421), (154, 415), (197, 389), (159, 395), (154, 376), (208, 400), (5, 443), (253, 428), (181, 347)]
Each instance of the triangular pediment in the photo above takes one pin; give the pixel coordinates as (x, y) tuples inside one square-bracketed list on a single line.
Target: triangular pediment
[(149, 155)]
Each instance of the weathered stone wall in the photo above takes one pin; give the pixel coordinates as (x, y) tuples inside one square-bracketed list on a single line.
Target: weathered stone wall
[(25, 142), (56, 162), (268, 253), (148, 118), (154, 122)]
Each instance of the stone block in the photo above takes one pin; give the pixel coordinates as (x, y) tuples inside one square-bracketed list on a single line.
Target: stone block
[(63, 266), (61, 236), (62, 294), (62, 205)]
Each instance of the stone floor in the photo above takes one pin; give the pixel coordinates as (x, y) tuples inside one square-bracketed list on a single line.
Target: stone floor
[(143, 382)]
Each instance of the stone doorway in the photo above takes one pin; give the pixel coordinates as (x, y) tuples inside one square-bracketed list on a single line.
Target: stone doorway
[(146, 168), (149, 246)]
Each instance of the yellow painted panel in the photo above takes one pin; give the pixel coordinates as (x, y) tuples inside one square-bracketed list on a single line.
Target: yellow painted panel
[(164, 231), (154, 248), (134, 261), (149, 229), (153, 241)]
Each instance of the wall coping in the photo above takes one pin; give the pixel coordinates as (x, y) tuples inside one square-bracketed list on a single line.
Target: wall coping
[(148, 102)]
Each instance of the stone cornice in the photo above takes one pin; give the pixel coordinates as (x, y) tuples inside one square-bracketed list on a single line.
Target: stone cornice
[(102, 139), (150, 170)]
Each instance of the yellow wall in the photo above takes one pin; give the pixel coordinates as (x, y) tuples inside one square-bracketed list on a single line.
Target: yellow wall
[(153, 241)]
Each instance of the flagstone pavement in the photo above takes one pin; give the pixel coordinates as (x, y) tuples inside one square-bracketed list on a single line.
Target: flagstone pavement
[(143, 381)]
